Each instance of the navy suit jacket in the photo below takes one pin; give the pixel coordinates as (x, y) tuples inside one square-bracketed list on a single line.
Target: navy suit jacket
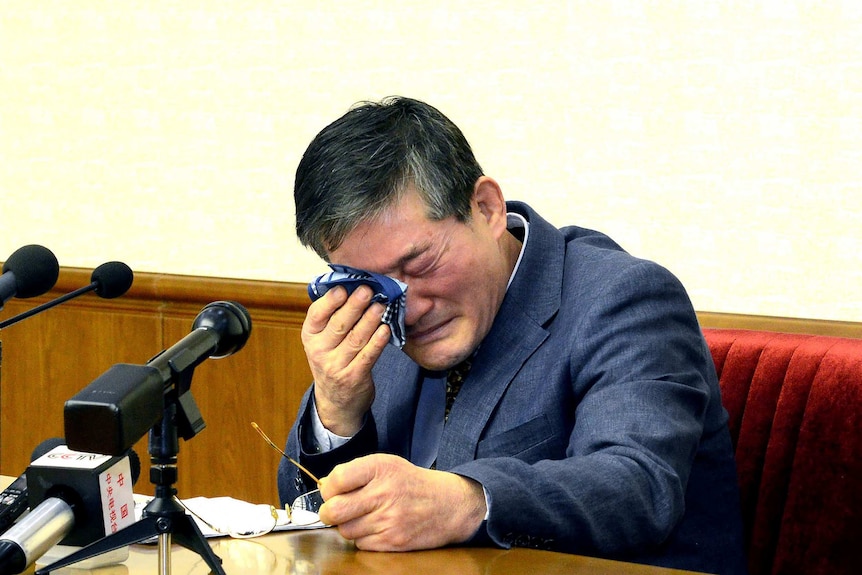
[(592, 415)]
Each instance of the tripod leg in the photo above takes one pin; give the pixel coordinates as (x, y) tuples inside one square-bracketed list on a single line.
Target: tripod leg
[(182, 527), (186, 533), (134, 533)]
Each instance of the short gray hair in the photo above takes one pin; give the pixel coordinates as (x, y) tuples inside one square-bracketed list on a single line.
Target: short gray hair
[(361, 164)]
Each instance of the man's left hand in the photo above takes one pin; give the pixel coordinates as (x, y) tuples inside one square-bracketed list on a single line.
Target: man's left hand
[(385, 503)]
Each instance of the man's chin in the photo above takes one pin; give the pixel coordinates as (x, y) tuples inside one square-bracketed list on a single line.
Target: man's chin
[(432, 357), (426, 361)]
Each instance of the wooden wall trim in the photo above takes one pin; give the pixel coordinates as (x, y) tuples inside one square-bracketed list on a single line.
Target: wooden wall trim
[(781, 324), (283, 296), (292, 298)]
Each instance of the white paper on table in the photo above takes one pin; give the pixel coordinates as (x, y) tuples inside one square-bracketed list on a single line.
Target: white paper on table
[(226, 512)]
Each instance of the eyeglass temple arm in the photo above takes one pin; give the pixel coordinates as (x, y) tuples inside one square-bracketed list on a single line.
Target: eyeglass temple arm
[(289, 458)]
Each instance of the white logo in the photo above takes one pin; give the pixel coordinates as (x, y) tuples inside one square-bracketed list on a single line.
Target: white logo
[(62, 456)]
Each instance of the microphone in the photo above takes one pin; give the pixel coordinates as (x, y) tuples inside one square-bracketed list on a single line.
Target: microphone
[(76, 498), (29, 272), (122, 404), (13, 499), (219, 330), (109, 280)]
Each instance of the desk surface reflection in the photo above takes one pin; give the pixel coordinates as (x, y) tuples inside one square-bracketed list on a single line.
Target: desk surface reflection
[(325, 552)]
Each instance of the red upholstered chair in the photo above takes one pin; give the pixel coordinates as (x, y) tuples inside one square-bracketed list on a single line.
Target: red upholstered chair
[(795, 405)]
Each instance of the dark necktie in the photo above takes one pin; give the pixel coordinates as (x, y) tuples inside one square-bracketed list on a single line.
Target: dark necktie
[(454, 380)]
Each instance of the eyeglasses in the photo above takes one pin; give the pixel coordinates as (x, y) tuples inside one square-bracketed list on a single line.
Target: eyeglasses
[(237, 519), (243, 520), (288, 457), (305, 507)]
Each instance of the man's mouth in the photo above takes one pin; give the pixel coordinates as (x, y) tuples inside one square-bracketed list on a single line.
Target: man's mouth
[(419, 336)]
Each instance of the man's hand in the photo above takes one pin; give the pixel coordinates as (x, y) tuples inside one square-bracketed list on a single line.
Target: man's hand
[(343, 338), (385, 503)]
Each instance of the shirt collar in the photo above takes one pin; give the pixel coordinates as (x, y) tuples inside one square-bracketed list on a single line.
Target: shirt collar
[(514, 221)]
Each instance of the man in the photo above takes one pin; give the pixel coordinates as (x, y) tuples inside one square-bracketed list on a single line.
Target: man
[(590, 421)]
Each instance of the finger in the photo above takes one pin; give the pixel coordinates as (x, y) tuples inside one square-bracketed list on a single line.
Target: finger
[(322, 309), (328, 325), (348, 500), (353, 508), (357, 473), (342, 320), (372, 541), (361, 360), (362, 331), (321, 312), (344, 478), (365, 532), (352, 358)]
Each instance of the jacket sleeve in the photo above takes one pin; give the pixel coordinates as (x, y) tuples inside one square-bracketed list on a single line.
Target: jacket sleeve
[(292, 482)]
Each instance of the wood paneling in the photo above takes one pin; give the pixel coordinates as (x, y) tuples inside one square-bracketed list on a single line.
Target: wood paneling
[(48, 358)]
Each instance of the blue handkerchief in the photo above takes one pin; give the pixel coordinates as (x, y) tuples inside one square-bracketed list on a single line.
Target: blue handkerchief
[(387, 290)]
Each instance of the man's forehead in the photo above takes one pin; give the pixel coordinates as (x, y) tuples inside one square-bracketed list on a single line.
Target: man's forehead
[(387, 249), (389, 239)]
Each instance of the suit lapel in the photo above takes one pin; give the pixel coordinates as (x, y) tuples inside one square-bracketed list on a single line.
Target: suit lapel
[(518, 330), (397, 381), (491, 375)]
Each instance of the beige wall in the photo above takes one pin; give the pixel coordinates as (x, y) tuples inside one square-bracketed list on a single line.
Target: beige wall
[(722, 139)]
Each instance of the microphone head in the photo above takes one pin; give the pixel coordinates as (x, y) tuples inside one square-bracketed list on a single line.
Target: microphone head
[(112, 279), (36, 270), (46, 446), (230, 320), (134, 464)]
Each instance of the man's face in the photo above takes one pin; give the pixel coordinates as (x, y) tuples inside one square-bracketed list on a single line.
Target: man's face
[(456, 272)]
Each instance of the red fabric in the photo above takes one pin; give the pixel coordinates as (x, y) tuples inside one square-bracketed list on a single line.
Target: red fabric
[(795, 405)]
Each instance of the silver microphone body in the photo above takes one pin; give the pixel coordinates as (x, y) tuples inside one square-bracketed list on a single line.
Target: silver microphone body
[(45, 526)]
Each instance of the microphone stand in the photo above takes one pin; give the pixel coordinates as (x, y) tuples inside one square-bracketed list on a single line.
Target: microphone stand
[(163, 517), (47, 305)]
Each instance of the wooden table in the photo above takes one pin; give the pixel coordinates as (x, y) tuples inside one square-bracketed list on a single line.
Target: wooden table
[(325, 552)]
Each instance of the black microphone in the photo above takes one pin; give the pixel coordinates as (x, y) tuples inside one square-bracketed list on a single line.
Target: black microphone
[(29, 272), (122, 404), (109, 280), (76, 498), (13, 499), (219, 330)]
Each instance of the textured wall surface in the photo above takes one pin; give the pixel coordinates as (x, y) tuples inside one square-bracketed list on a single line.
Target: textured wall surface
[(722, 139)]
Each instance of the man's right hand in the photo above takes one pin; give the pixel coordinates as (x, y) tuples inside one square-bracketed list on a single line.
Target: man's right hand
[(343, 338)]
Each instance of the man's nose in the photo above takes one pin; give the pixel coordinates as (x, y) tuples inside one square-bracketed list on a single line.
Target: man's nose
[(418, 304)]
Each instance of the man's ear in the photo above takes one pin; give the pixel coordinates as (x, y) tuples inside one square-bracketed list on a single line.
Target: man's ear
[(488, 201)]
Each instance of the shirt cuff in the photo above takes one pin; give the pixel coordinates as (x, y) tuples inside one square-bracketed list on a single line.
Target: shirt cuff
[(325, 439)]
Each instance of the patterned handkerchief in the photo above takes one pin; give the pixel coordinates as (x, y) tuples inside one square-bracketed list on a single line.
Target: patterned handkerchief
[(387, 290)]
